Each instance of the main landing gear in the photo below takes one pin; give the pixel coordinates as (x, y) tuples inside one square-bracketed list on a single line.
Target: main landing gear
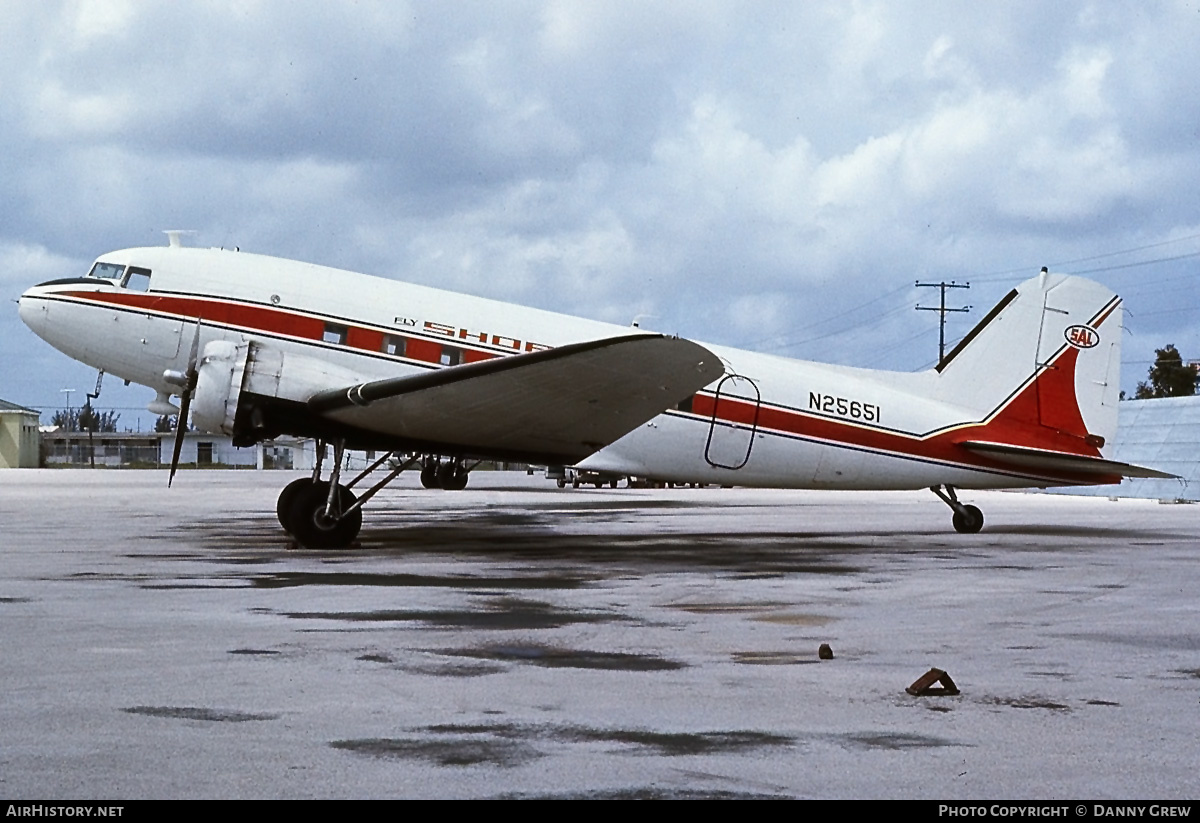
[(450, 474), (324, 514), (967, 519)]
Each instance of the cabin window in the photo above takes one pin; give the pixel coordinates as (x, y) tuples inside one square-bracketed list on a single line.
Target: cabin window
[(393, 344), (335, 334), (137, 279), (450, 356), (108, 271)]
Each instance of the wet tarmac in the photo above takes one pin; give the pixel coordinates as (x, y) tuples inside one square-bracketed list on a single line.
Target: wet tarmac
[(517, 640)]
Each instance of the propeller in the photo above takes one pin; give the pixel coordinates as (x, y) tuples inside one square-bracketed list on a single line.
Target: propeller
[(188, 381)]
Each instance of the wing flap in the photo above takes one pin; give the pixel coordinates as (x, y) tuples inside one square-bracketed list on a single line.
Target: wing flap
[(558, 405), (1058, 461)]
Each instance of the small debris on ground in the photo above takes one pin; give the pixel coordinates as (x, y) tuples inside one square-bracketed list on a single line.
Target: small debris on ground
[(923, 685)]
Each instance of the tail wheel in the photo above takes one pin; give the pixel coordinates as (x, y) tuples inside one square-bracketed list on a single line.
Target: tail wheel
[(312, 529), (969, 520)]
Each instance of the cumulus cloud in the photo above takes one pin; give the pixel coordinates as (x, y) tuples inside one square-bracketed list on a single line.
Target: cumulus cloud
[(741, 173)]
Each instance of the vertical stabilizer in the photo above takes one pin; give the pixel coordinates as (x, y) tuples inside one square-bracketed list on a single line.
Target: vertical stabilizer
[(1044, 365)]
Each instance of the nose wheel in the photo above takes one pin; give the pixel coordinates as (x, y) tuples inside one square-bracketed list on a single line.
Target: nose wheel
[(967, 519)]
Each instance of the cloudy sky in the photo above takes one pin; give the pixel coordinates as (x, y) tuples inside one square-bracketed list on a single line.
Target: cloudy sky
[(769, 175)]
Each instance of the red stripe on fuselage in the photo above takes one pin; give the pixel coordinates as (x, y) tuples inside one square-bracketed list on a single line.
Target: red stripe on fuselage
[(276, 321), (1015, 422)]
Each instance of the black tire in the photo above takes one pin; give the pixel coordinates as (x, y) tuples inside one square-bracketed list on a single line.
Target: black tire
[(288, 495), (429, 475), (562, 484), (452, 476), (969, 521), (612, 484), (308, 523)]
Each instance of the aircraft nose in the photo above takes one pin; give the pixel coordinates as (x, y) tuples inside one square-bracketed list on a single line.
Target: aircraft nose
[(33, 309)]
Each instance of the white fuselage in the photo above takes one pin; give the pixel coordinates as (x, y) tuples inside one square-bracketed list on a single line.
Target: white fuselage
[(770, 422)]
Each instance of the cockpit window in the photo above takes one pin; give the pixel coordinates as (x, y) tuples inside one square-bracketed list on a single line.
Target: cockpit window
[(108, 271), (137, 279)]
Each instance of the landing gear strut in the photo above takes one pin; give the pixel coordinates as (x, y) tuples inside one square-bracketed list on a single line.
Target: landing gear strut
[(967, 519), (324, 514)]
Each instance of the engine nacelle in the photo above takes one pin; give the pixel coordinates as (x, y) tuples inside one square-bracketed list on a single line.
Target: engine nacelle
[(218, 386), (232, 374)]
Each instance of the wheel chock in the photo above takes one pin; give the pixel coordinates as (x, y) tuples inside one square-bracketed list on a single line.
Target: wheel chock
[(923, 685), (825, 653)]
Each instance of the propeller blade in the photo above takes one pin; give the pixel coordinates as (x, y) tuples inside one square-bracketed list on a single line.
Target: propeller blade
[(180, 431), (185, 402), (195, 351)]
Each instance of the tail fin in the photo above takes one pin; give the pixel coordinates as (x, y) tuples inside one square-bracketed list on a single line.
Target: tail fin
[(1043, 367)]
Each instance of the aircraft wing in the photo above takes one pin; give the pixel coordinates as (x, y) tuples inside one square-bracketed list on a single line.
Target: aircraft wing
[(1058, 461), (555, 406)]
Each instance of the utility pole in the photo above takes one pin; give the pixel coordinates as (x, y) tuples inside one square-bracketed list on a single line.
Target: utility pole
[(942, 311)]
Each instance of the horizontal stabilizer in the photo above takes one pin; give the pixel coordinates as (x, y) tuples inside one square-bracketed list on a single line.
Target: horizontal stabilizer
[(1058, 461), (554, 406)]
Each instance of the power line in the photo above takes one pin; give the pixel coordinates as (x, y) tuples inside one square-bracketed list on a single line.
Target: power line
[(942, 310), (1020, 269)]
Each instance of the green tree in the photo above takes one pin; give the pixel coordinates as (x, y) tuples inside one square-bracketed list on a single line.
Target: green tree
[(85, 418), (167, 423), (1169, 376)]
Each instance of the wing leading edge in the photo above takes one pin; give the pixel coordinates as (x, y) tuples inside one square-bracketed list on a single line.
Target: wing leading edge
[(556, 406)]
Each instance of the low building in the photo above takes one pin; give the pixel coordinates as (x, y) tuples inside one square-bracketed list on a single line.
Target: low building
[(150, 450), (18, 436), (144, 450)]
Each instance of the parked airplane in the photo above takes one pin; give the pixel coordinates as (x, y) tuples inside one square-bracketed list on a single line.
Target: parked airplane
[(256, 347)]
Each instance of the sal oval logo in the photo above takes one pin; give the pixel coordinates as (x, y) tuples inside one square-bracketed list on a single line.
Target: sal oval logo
[(1082, 337)]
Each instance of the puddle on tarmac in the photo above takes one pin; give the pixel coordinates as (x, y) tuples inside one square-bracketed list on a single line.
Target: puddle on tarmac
[(1183, 641), (676, 744), (458, 752), (1027, 702), (775, 658), (505, 614), (284, 580), (507, 744), (893, 741), (199, 713), (551, 657), (794, 619)]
